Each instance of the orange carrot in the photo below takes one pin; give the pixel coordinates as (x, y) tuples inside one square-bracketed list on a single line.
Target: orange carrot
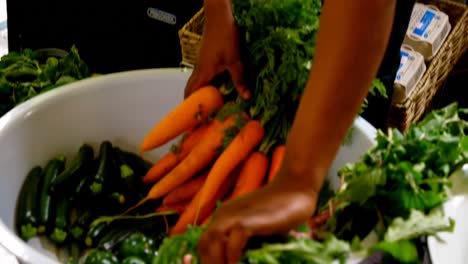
[(186, 191), (188, 216), (251, 175), (200, 156), (276, 160), (188, 114), (236, 152), (171, 159), (177, 207)]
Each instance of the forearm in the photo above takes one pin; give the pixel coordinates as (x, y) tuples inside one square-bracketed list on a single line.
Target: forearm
[(351, 43), (215, 8)]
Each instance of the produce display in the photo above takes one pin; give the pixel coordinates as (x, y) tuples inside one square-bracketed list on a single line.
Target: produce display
[(395, 192), (26, 74), (76, 205), (124, 209)]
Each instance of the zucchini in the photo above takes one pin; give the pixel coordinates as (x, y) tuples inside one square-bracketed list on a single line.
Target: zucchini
[(86, 177), (137, 163), (80, 227), (95, 233), (26, 215), (70, 176), (127, 175), (60, 223), (46, 203), (104, 170)]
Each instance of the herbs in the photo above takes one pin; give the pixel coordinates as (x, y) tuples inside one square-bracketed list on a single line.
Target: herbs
[(300, 251), (395, 190), (278, 40), (29, 73), (399, 185), (277, 49), (174, 248)]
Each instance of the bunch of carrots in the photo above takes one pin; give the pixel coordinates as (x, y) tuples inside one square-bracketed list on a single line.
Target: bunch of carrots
[(223, 154)]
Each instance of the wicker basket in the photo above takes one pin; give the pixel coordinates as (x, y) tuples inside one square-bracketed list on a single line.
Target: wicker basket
[(190, 37), (403, 114)]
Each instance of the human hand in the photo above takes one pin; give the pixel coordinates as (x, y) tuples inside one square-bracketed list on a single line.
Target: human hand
[(274, 209), (219, 51)]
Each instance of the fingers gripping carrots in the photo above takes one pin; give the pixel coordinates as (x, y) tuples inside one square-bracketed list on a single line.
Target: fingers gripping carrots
[(191, 112), (228, 143), (276, 160), (188, 216)]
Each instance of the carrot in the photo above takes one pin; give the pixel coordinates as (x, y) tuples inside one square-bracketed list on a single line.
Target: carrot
[(191, 112), (276, 160), (207, 220), (177, 207), (186, 191), (236, 152), (171, 159), (189, 215), (251, 175), (200, 156)]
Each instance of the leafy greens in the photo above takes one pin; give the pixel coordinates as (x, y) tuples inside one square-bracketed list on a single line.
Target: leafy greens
[(26, 74)]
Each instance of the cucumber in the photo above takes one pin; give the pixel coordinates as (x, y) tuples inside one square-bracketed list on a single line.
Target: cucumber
[(46, 202), (60, 223), (26, 215), (70, 176), (98, 184)]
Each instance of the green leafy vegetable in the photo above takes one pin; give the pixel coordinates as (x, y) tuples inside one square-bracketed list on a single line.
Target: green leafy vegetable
[(26, 74), (174, 248), (300, 250), (403, 251), (417, 225)]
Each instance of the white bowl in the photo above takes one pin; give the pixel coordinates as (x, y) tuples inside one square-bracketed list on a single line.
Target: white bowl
[(119, 107)]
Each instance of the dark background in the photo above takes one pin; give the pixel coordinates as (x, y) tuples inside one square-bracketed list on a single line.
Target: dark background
[(111, 36)]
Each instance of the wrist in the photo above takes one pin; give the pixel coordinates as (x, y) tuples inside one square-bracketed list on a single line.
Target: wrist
[(300, 177)]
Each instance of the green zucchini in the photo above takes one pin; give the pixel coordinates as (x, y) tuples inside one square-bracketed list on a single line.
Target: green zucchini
[(70, 176), (46, 203), (80, 227), (104, 170), (86, 177), (95, 233), (137, 163), (127, 175), (26, 215), (60, 223)]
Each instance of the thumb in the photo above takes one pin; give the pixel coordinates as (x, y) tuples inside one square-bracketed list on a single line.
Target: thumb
[(236, 70)]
